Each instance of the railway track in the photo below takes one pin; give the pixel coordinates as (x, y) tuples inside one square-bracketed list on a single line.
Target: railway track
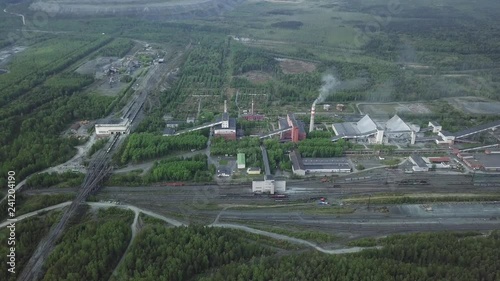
[(99, 168)]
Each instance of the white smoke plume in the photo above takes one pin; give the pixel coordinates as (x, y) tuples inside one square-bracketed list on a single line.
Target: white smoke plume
[(330, 83)]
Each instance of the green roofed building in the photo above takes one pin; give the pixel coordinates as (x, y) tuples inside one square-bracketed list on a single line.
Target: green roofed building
[(241, 160)]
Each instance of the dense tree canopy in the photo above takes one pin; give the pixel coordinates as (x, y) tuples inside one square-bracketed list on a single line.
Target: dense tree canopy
[(144, 146), (91, 250), (160, 253), (28, 234), (414, 257), (322, 147)]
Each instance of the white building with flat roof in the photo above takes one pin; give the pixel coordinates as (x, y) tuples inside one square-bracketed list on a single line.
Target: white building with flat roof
[(107, 127), (268, 186)]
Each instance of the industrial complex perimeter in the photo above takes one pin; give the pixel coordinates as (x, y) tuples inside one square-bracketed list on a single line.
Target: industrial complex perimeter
[(410, 139)]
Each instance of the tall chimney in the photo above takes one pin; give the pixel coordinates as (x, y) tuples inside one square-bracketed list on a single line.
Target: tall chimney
[(225, 106), (252, 107), (311, 124)]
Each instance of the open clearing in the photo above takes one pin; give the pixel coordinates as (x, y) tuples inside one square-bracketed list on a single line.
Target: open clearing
[(290, 66), (475, 105), (256, 76), (393, 108)]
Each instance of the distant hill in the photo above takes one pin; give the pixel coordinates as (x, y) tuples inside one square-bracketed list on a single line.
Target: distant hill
[(177, 9)]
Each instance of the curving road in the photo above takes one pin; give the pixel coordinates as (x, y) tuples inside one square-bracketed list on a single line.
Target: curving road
[(177, 223), (15, 14)]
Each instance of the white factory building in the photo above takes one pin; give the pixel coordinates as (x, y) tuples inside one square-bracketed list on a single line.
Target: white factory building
[(269, 185), (377, 132), (107, 127)]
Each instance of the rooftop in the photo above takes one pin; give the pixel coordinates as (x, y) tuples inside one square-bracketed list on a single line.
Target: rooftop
[(439, 159), (366, 124), (489, 160), (325, 161), (478, 128), (328, 166), (241, 158), (293, 119), (283, 123), (232, 124), (446, 133), (396, 124), (296, 160), (418, 160), (253, 169), (168, 131), (111, 121)]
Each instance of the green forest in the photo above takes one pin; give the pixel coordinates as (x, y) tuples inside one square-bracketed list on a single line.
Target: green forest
[(182, 169), (28, 235), (91, 249), (144, 146), (39, 100), (160, 253), (439, 256), (323, 147)]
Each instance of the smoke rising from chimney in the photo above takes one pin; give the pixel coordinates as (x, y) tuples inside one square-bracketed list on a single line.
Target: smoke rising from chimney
[(330, 83)]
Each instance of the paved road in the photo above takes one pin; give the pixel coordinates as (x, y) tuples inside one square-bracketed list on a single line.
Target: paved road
[(177, 223), (292, 239), (15, 14), (133, 226)]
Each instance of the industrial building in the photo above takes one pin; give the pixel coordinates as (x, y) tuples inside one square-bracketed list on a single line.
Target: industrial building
[(367, 129), (436, 127), (168, 132), (302, 166), (489, 162), (268, 185), (173, 124), (419, 164), (296, 132), (107, 127), (252, 116), (240, 159), (482, 161), (451, 138), (253, 171), (227, 126)]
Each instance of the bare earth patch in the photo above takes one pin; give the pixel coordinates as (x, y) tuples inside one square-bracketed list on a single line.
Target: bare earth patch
[(475, 105), (417, 108), (290, 66), (393, 108), (256, 76)]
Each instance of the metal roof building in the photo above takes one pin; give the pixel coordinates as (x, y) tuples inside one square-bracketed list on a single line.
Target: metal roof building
[(420, 164), (240, 159), (367, 128), (302, 166)]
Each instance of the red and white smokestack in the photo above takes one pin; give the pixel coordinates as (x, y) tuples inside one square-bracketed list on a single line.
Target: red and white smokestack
[(313, 112)]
